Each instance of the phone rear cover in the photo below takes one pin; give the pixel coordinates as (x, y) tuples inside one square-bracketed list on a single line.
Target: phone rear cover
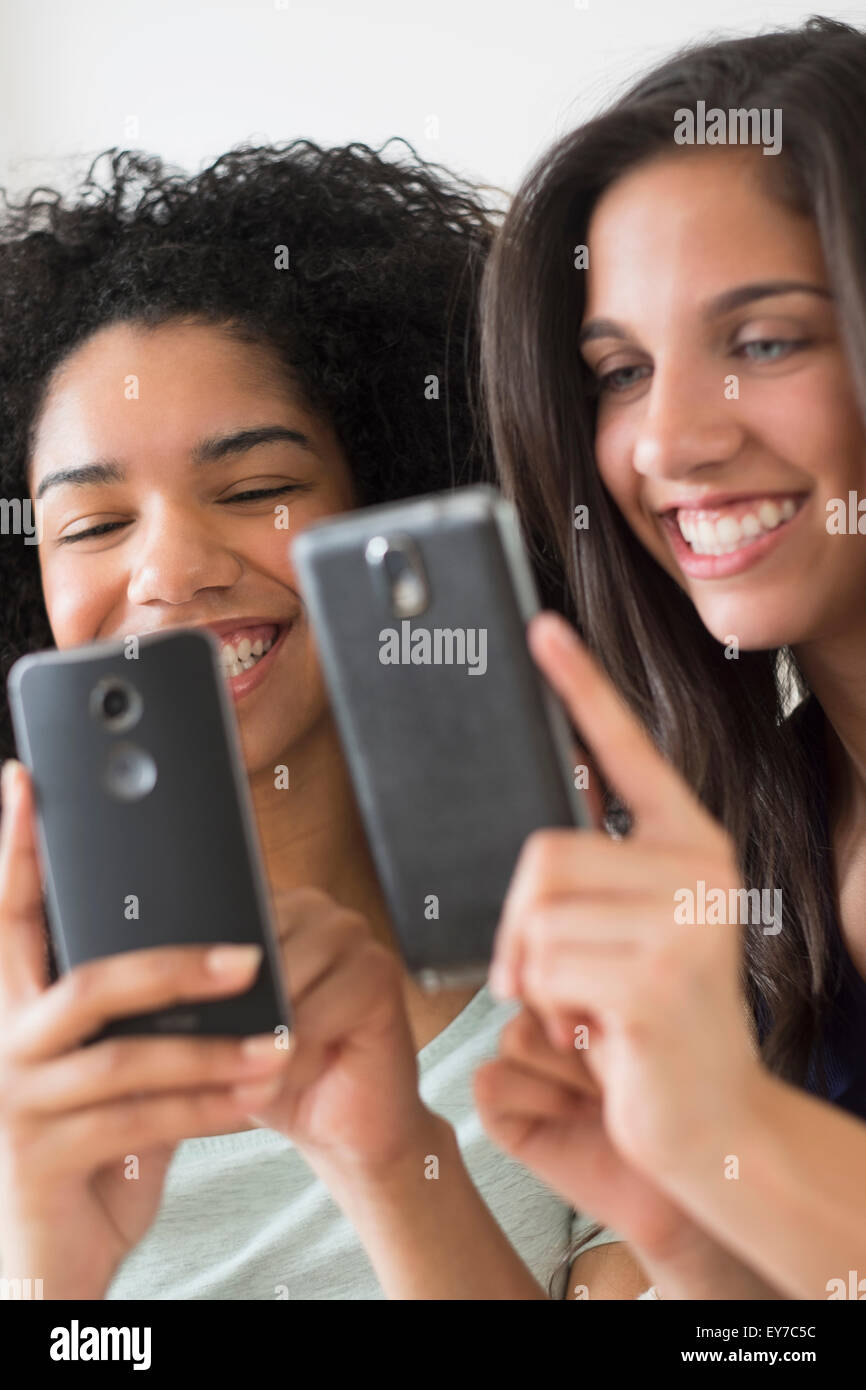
[(453, 764), (127, 868)]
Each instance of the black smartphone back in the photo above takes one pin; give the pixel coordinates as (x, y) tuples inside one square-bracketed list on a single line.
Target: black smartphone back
[(457, 748), (145, 821)]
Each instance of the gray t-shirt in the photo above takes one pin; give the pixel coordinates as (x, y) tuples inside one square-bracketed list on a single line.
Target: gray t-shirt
[(244, 1217)]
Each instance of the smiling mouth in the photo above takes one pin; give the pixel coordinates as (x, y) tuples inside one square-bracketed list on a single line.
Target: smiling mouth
[(243, 649), (736, 526)]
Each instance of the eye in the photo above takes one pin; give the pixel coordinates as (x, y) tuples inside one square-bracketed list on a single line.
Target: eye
[(257, 494), (613, 381), (771, 349), (103, 529)]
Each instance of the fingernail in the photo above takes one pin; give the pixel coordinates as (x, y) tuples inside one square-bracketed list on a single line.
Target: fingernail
[(255, 1093), (7, 776), (233, 960), (260, 1048), (559, 629)]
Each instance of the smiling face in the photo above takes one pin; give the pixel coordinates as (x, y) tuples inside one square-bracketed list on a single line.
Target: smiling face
[(149, 522), (727, 418)]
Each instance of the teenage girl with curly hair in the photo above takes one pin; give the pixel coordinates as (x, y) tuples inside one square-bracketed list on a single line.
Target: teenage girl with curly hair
[(179, 356)]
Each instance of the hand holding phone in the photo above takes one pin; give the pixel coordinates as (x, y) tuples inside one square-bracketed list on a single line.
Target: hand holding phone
[(457, 749), (70, 1114), (145, 822)]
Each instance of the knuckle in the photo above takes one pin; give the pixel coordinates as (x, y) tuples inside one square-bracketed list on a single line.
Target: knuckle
[(161, 965), (354, 921), (137, 1117), (539, 972), (205, 1062), (515, 1038), (485, 1085), (348, 932), (78, 986), (381, 963), (659, 967), (538, 932), (344, 927), (19, 1162), (106, 1059), (301, 900), (123, 1114), (11, 1094), (536, 855), (636, 1031), (85, 1129), (211, 1106)]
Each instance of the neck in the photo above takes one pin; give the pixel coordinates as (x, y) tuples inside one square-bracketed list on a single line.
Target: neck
[(311, 833)]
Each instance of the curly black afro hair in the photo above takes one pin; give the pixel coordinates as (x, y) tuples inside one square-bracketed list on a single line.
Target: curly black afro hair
[(385, 257)]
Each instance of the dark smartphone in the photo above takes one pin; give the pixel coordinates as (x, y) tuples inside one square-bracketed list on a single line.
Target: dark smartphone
[(457, 748), (145, 821)]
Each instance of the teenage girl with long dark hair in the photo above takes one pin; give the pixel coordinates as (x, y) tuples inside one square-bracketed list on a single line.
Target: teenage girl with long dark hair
[(675, 346)]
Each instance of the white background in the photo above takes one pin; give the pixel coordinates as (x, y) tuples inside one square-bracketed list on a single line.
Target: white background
[(188, 79)]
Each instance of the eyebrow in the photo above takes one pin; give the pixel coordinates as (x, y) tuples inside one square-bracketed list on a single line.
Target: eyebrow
[(722, 304), (210, 450)]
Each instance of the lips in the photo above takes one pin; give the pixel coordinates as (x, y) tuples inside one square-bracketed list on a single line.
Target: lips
[(250, 677), (724, 529), (723, 540), (247, 646), (244, 646), (244, 641)]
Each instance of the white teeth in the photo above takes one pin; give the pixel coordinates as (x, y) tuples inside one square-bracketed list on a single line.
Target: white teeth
[(234, 667), (728, 534), (244, 656), (769, 515)]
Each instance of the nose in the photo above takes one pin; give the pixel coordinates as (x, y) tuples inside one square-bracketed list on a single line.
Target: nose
[(691, 421), (175, 556)]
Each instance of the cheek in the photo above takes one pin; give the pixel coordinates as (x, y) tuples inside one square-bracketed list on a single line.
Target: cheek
[(273, 545), (820, 427), (613, 452), (75, 604)]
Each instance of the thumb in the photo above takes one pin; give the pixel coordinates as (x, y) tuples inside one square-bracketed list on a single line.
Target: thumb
[(592, 789), (23, 960)]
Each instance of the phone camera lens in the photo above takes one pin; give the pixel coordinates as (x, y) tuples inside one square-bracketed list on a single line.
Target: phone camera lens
[(396, 565), (397, 561), (114, 703)]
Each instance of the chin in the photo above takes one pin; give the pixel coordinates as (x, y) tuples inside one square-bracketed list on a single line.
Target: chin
[(270, 746), (264, 749), (753, 632)]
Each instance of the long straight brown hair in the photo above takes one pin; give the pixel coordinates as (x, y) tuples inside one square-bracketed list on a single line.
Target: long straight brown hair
[(721, 723)]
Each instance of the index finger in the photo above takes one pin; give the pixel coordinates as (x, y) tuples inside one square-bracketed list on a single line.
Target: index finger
[(620, 746), (525, 1039), (77, 1006)]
